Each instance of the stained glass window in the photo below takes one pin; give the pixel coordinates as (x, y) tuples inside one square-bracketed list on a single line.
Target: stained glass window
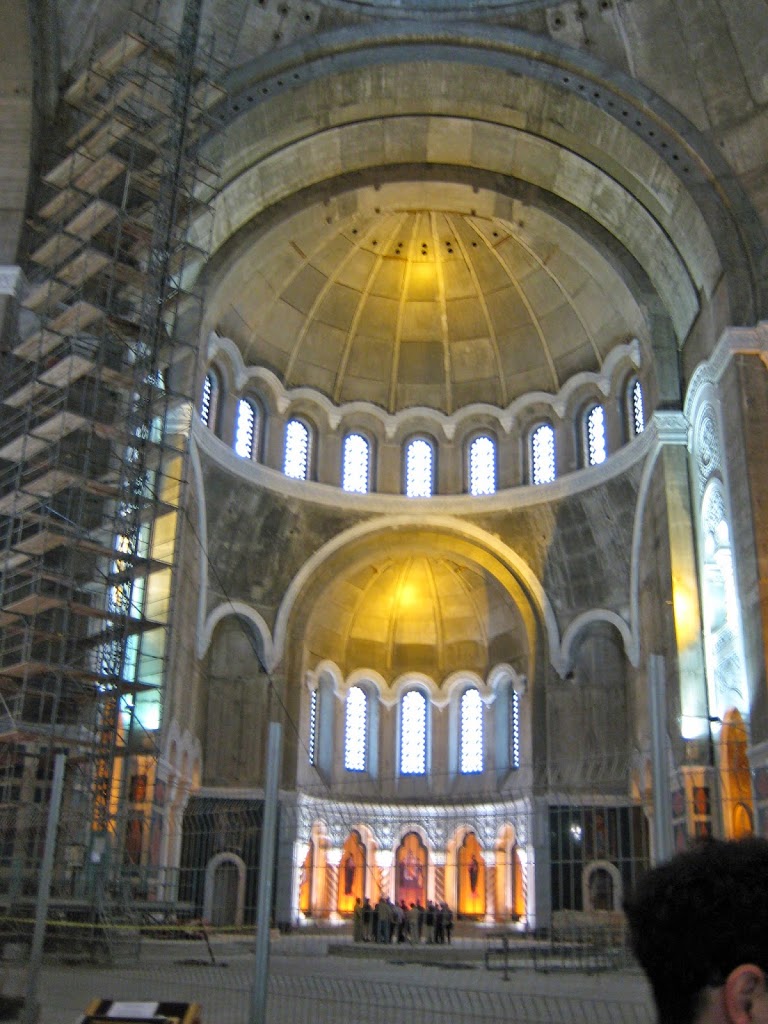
[(636, 411), (356, 463), (419, 468), (413, 734), (210, 400), (514, 729), (296, 460), (482, 466), (246, 429), (355, 729), (595, 436), (471, 732), (543, 454), (312, 747)]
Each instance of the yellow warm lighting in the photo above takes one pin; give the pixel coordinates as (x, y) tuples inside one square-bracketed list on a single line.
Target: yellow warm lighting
[(687, 620), (411, 596)]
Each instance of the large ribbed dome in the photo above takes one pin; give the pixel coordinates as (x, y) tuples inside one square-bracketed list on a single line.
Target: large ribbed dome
[(430, 307), (416, 612)]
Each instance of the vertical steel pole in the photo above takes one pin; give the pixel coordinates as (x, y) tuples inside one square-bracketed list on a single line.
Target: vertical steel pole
[(30, 1011), (662, 807), (266, 871)]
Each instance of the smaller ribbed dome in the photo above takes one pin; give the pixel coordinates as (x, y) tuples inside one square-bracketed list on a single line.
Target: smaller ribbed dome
[(419, 612)]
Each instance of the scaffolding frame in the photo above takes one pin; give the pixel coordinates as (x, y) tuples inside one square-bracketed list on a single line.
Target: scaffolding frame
[(95, 403)]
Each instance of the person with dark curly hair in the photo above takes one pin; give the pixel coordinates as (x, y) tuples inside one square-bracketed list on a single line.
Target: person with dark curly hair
[(699, 928)]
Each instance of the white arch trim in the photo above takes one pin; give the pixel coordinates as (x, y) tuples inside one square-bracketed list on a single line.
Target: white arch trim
[(582, 622), (240, 610), (223, 350), (210, 875), (592, 868), (439, 524)]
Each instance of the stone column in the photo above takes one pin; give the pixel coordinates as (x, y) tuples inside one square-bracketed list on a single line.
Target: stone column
[(438, 879), (525, 856), (384, 861), (490, 887), (332, 861)]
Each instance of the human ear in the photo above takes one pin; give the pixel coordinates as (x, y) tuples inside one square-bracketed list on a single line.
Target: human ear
[(742, 987)]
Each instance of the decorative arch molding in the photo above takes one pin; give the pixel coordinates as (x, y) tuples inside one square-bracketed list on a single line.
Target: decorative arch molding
[(244, 612), (366, 678), (590, 870), (204, 441), (457, 682), (584, 621), (503, 556), (504, 673), (396, 425), (583, 82), (733, 341), (416, 681), (210, 879)]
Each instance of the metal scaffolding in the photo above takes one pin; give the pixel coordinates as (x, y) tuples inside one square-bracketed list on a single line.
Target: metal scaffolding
[(95, 405)]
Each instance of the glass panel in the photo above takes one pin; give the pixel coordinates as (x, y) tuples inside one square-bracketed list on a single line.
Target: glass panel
[(514, 729), (418, 469), (471, 732), (245, 430), (638, 413), (296, 462), (543, 454), (413, 734), (357, 458), (210, 400), (312, 726), (482, 466), (355, 730), (596, 451)]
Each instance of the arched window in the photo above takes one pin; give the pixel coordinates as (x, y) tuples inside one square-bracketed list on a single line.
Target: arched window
[(470, 732), (594, 436), (356, 730), (209, 405), (298, 441), (356, 464), (542, 454), (635, 407), (419, 468), (247, 429), (482, 466), (413, 733)]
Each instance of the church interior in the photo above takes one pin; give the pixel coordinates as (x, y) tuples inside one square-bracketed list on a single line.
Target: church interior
[(395, 371)]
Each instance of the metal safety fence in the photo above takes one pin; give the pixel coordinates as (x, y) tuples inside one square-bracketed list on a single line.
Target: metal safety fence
[(298, 996)]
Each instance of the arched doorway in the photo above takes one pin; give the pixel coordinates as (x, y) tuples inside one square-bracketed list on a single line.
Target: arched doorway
[(471, 902), (224, 897), (411, 861), (351, 873)]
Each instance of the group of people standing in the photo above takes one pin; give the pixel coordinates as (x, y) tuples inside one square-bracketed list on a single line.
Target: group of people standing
[(398, 922)]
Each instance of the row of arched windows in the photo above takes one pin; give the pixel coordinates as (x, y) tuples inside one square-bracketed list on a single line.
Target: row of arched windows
[(420, 451), (413, 731)]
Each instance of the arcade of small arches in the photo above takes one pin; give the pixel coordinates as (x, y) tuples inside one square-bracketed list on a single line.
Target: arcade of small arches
[(555, 435), (480, 882), (485, 724)]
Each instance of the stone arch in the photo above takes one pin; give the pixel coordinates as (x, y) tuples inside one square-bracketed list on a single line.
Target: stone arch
[(601, 887), (538, 64), (237, 709), (224, 892)]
